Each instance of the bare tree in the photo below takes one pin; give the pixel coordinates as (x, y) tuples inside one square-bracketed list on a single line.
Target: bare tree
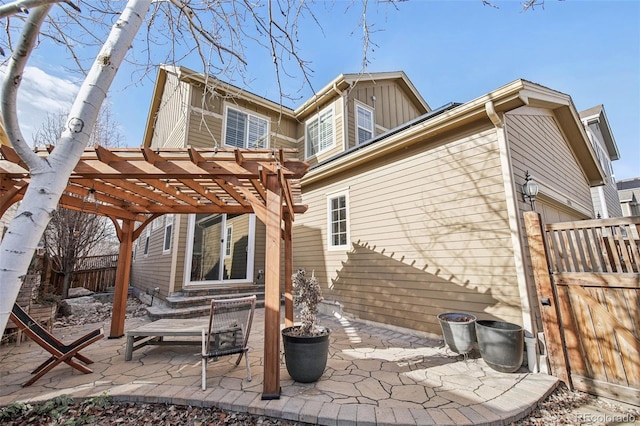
[(216, 32), (72, 235), (106, 131)]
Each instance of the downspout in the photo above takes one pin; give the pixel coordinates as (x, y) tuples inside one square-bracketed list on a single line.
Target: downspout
[(528, 321)]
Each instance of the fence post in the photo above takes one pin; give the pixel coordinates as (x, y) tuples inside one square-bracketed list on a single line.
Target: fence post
[(547, 300)]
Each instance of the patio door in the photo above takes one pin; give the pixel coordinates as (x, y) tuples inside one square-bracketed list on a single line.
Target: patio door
[(220, 249)]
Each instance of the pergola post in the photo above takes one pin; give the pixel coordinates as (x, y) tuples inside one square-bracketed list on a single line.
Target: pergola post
[(123, 273), (288, 271), (271, 384)]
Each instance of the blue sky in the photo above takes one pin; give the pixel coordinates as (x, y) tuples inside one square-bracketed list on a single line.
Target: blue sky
[(450, 50)]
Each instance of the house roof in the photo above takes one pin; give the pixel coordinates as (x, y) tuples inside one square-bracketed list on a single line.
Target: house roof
[(186, 74), (345, 81), (597, 114), (511, 96), (334, 88)]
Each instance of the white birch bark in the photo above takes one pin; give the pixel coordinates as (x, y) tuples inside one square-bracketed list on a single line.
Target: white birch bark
[(49, 176)]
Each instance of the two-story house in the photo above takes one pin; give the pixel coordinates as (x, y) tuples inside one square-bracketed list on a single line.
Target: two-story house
[(411, 211)]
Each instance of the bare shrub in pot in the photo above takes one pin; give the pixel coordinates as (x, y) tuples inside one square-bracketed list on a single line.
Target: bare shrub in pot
[(306, 345)]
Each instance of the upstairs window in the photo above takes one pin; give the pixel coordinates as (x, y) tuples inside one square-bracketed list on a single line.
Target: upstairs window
[(319, 132), (364, 121), (244, 130)]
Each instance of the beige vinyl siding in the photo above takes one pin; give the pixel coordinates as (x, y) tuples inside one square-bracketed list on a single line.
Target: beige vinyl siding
[(180, 244), (154, 269), (538, 145), (169, 125), (429, 233), (260, 251), (392, 107), (613, 208), (206, 128), (205, 131)]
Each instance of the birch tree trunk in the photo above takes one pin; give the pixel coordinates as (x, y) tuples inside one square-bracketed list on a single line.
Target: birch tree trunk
[(49, 175)]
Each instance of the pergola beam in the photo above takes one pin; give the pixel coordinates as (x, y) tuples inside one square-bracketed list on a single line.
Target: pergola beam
[(138, 185)]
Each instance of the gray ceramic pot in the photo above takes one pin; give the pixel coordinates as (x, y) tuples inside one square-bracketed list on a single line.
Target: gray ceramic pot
[(501, 344)]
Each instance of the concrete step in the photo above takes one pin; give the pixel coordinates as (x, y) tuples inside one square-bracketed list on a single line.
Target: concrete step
[(159, 311), (178, 301), (193, 303)]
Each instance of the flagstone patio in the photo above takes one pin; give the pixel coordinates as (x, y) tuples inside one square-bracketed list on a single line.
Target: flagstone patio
[(374, 376)]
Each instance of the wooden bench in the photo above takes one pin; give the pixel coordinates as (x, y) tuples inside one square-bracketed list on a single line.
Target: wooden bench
[(154, 333)]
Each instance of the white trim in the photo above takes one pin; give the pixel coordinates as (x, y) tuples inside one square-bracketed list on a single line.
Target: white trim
[(333, 131), (329, 240), (201, 111), (174, 253)]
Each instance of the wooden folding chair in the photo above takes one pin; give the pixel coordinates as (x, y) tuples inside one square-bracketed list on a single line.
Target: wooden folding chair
[(58, 350), (228, 333)]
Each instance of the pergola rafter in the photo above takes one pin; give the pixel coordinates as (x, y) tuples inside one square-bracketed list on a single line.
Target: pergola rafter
[(133, 186)]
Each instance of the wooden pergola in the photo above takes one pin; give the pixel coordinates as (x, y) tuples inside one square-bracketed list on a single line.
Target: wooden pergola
[(133, 186)]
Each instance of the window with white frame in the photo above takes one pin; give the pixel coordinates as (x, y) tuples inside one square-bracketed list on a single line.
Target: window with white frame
[(146, 241), (364, 122), (338, 220), (157, 222), (228, 241), (245, 130), (168, 232), (319, 132)]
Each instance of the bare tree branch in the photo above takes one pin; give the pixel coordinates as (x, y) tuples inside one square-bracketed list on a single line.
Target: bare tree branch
[(23, 6), (11, 84)]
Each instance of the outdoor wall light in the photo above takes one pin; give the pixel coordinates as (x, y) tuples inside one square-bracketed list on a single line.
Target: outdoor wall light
[(91, 196), (529, 190)]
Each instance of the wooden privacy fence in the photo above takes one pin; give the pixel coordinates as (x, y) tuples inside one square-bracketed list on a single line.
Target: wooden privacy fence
[(95, 273), (588, 281)]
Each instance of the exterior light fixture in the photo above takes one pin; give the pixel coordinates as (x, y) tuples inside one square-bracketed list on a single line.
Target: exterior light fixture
[(91, 196), (530, 190)]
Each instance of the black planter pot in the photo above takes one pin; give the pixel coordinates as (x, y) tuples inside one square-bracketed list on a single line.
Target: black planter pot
[(501, 344), (459, 331), (305, 356)]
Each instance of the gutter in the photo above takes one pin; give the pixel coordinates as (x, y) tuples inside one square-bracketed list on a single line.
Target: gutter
[(443, 119)]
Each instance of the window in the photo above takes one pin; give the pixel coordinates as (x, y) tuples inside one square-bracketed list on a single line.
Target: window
[(244, 130), (320, 132), (168, 231), (227, 241), (146, 241), (364, 120), (156, 223), (220, 248), (338, 229)]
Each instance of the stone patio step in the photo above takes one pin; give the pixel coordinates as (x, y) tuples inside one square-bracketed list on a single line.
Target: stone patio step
[(193, 303)]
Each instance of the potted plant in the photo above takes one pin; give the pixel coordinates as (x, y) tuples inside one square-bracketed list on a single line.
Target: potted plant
[(306, 345), (459, 331)]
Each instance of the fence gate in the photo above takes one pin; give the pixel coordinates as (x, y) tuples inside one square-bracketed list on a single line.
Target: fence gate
[(588, 281)]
